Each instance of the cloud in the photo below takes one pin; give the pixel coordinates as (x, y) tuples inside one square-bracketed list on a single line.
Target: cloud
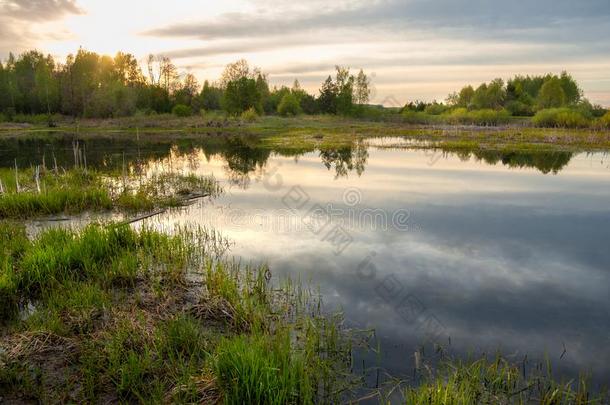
[(21, 21), (457, 16), (36, 10), (394, 37)]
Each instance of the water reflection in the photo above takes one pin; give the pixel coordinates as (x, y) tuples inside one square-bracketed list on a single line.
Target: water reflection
[(244, 155), (504, 259), (502, 254)]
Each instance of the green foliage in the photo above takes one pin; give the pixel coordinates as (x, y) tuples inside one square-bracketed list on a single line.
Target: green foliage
[(250, 115), (415, 117), (561, 118), (289, 105), (210, 97), (435, 108), (519, 109), (521, 96), (241, 95), (181, 110), (551, 94), (327, 101), (604, 121), (485, 117), (490, 96)]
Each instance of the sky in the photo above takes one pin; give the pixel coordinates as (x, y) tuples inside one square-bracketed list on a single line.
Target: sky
[(412, 49)]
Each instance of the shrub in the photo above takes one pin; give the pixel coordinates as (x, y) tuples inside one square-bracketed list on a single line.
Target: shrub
[(604, 121), (289, 105), (415, 117), (371, 112), (519, 109), (9, 113), (560, 118), (486, 117), (250, 115), (181, 110)]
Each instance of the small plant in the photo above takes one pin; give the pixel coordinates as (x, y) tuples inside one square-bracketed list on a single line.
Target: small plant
[(416, 117), (250, 115), (181, 110), (604, 121)]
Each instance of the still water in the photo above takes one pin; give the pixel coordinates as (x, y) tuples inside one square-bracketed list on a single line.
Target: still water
[(476, 252)]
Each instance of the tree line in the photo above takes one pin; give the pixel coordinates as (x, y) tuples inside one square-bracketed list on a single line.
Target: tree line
[(519, 96), (91, 85)]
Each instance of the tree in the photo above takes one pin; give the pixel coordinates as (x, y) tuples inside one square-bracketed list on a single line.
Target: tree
[(572, 92), (363, 91), (551, 94), (168, 74), (233, 72), (187, 91), (465, 97), (327, 100), (127, 69), (241, 95), (210, 97), (289, 105), (345, 95)]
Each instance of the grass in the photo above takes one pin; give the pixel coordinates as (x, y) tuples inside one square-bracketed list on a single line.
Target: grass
[(77, 190), (120, 315), (263, 370), (498, 381)]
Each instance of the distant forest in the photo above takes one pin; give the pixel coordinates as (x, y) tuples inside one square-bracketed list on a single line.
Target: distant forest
[(97, 86), (92, 85)]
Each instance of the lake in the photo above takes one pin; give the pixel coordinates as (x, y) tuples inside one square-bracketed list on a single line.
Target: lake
[(473, 251)]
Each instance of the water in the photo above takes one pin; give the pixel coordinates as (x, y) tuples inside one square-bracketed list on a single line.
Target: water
[(477, 252)]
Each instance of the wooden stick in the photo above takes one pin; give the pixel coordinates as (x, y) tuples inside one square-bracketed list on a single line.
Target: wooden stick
[(17, 177), (37, 178), (141, 217)]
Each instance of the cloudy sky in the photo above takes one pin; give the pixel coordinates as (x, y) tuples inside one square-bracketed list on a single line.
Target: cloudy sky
[(414, 49)]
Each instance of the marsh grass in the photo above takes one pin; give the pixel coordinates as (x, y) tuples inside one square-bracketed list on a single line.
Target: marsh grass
[(498, 381), (122, 315), (30, 192)]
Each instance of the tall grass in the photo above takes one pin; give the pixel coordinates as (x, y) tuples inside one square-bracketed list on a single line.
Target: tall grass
[(78, 190), (118, 310), (498, 382), (264, 369)]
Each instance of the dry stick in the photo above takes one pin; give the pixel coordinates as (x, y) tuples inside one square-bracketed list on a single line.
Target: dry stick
[(1, 187), (144, 216), (124, 179), (85, 157), (37, 178), (75, 152), (55, 163), (17, 177)]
